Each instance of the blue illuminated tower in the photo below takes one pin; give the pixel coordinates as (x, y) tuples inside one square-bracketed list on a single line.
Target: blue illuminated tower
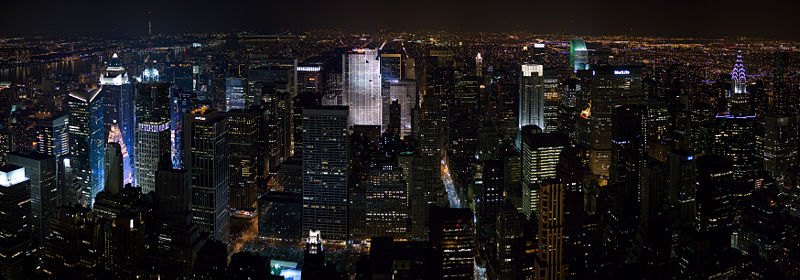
[(87, 143), (117, 95), (182, 100)]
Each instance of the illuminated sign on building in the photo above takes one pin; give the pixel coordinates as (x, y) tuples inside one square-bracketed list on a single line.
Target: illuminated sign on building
[(622, 72)]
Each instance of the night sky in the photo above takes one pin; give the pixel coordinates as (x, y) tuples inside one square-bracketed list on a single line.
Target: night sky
[(713, 18)]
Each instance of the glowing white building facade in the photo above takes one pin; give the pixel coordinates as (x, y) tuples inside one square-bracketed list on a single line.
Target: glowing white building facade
[(531, 96), (361, 82), (405, 92)]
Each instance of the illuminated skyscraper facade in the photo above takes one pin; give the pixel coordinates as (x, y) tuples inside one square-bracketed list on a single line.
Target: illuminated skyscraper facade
[(152, 131), (736, 128), (405, 93), (361, 82), (531, 96), (737, 102), (540, 154), (578, 55), (181, 102), (549, 260), (87, 143), (117, 94), (552, 101)]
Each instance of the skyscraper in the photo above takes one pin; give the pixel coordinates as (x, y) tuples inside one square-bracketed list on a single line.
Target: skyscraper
[(76, 246), (552, 100), (508, 235), (531, 96), (152, 131), (734, 140), (52, 136), (15, 222), (386, 202), (405, 93), (244, 131), (115, 136), (549, 260), (313, 257), (41, 170), (540, 154), (178, 74), (87, 143), (578, 55), (117, 94), (278, 73), (361, 81), (178, 235), (682, 188), (452, 234), (735, 128), (279, 121), (279, 215), (491, 199), (611, 86), (235, 93), (629, 148), (206, 157), (325, 163), (780, 146), (737, 99), (478, 65), (181, 102), (6, 143), (425, 187), (309, 78), (391, 64), (113, 166)]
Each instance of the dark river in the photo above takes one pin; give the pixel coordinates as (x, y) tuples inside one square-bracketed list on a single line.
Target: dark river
[(19, 74)]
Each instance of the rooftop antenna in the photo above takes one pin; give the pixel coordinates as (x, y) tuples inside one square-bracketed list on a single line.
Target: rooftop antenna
[(149, 36)]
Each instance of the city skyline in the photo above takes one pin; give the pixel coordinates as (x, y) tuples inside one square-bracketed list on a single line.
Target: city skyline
[(321, 140)]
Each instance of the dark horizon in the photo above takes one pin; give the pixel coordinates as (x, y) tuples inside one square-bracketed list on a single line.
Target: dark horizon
[(712, 19)]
